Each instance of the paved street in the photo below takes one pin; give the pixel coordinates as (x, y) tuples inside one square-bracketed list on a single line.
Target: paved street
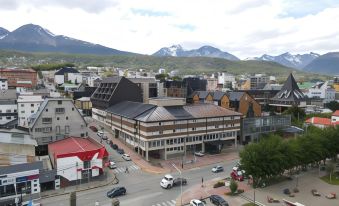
[(142, 188)]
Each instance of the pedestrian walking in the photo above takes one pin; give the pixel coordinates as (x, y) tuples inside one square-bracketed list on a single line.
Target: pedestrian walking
[(202, 182), (126, 171)]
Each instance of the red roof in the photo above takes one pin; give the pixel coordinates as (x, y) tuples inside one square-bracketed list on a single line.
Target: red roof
[(320, 120), (84, 148), (336, 113)]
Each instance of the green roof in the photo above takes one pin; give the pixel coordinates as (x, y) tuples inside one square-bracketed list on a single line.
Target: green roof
[(305, 85)]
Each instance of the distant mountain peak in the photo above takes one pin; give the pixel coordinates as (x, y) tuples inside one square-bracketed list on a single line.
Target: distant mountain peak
[(34, 38), (204, 51), (298, 61)]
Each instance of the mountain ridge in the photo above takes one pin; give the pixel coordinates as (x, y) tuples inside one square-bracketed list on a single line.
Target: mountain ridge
[(34, 38), (204, 51)]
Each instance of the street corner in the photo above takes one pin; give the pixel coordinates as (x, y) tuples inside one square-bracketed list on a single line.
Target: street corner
[(209, 188)]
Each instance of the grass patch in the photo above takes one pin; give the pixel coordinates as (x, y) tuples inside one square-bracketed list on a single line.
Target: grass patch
[(249, 204), (335, 179)]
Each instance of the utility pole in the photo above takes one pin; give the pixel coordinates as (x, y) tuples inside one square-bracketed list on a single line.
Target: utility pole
[(180, 182)]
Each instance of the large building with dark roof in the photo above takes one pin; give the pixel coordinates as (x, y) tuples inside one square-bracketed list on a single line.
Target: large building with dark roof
[(168, 127), (111, 91), (289, 95)]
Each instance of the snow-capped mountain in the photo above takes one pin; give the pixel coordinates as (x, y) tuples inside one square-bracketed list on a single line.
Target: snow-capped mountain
[(204, 51), (3, 33), (298, 61), (34, 38), (174, 50)]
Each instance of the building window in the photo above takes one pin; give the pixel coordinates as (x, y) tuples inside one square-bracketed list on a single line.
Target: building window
[(193, 129), (32, 105), (160, 132), (66, 118), (15, 111), (8, 118), (46, 120), (58, 118), (22, 112), (32, 111), (159, 123), (22, 105), (0, 111), (67, 129), (59, 101), (46, 110), (60, 110), (8, 111), (216, 126), (87, 164), (173, 130), (72, 108), (57, 129)]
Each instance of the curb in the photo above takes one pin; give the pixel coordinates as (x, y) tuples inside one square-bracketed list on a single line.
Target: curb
[(114, 181)]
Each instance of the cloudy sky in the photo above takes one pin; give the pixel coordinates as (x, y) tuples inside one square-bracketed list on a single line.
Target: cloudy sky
[(244, 28)]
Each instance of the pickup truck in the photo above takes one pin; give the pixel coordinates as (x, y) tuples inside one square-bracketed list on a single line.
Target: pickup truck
[(168, 181)]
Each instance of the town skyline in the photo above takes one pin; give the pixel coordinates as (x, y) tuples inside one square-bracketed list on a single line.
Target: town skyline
[(246, 29)]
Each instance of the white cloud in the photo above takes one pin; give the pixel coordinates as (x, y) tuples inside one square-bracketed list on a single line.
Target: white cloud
[(249, 28)]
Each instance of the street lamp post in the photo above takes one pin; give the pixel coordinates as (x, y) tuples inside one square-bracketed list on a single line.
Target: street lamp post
[(180, 182)]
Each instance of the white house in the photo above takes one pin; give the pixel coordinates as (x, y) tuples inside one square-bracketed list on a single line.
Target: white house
[(65, 74), (8, 107), (3, 84), (27, 105), (77, 158), (323, 91)]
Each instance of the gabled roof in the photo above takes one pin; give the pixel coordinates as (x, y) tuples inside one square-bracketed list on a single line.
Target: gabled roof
[(217, 95), (74, 145), (64, 70), (42, 107), (235, 96), (290, 91), (336, 113)]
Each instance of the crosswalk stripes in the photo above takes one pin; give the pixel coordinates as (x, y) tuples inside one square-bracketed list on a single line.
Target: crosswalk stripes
[(166, 203), (123, 169)]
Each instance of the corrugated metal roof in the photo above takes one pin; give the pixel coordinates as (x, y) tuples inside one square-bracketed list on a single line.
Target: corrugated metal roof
[(114, 79), (194, 111), (21, 168), (129, 109)]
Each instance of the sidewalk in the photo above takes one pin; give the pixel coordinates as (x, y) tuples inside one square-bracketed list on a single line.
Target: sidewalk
[(111, 179), (198, 192), (200, 161)]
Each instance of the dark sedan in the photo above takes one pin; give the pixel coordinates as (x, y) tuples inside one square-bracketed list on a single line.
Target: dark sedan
[(178, 181), (116, 192), (120, 151), (217, 200)]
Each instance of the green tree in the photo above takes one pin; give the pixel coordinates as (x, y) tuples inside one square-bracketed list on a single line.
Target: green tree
[(233, 186), (332, 105)]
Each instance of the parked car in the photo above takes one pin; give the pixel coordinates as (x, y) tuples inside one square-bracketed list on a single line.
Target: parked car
[(93, 128), (100, 133), (117, 191), (237, 175), (120, 151), (114, 146), (199, 154), (104, 137), (178, 181), (217, 200), (217, 169), (126, 157), (112, 165), (196, 202)]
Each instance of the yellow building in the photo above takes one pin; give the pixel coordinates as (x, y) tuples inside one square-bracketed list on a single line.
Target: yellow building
[(84, 105)]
